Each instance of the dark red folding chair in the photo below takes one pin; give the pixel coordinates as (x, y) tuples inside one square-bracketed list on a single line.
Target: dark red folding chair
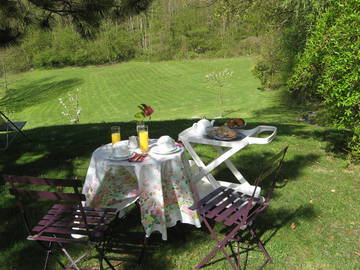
[(238, 212), (67, 223)]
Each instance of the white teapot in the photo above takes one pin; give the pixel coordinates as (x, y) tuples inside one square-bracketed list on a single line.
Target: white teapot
[(202, 126)]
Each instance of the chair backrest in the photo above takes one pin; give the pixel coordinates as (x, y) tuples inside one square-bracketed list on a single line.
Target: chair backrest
[(23, 187), (3, 122), (7, 125), (271, 170)]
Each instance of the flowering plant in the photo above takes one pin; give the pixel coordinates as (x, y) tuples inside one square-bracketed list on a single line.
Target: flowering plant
[(72, 110), (218, 80), (146, 111)]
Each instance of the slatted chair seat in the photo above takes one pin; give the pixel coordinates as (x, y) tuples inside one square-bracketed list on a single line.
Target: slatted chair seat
[(64, 223), (238, 212), (64, 220), (227, 205)]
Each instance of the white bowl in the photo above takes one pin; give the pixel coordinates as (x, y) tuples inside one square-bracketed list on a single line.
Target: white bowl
[(166, 147), (166, 144), (165, 140)]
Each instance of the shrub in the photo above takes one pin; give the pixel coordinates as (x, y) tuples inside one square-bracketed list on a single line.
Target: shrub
[(63, 46), (329, 67), (271, 61)]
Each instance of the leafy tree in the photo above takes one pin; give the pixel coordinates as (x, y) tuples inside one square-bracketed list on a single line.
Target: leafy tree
[(85, 15), (285, 28), (329, 67)]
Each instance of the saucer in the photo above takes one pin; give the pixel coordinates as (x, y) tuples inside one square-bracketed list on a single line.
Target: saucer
[(155, 150), (117, 158), (121, 155)]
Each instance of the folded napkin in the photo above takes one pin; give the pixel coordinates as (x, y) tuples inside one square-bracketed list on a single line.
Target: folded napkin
[(137, 157)]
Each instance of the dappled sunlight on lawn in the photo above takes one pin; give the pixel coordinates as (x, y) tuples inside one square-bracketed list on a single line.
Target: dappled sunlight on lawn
[(65, 151)]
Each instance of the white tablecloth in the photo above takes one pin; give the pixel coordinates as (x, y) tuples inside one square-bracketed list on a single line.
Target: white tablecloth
[(160, 181)]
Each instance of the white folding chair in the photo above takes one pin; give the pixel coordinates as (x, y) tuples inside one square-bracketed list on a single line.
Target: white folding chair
[(9, 130)]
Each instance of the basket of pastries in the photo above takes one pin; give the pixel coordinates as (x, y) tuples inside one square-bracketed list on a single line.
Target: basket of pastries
[(236, 123)]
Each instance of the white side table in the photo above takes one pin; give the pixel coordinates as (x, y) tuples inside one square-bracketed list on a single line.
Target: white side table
[(202, 176)]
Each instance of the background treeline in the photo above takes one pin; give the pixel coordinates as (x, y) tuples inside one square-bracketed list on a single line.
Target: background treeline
[(309, 46), (169, 29)]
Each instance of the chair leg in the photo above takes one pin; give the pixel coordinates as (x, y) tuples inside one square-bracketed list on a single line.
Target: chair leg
[(236, 254), (262, 248), (6, 142), (46, 249), (146, 239), (102, 256), (73, 264), (220, 246), (48, 253)]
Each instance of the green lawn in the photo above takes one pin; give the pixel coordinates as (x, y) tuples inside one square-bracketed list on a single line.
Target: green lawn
[(175, 89), (313, 222)]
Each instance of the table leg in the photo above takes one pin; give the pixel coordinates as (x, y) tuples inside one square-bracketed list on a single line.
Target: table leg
[(201, 165), (231, 166)]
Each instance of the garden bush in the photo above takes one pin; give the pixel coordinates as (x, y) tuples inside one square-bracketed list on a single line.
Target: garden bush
[(329, 68), (63, 46), (271, 61), (285, 28)]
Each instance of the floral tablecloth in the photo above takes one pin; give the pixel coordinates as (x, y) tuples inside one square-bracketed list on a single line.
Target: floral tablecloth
[(160, 182)]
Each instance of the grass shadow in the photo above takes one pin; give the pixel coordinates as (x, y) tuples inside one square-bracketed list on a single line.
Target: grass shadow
[(65, 152), (37, 92), (335, 139)]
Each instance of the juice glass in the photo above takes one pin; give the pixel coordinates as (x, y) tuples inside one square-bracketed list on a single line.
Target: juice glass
[(143, 134), (115, 134)]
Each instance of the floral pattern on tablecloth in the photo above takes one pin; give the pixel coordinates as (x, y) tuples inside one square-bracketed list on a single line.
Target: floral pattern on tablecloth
[(151, 199), (177, 194), (160, 182), (165, 197), (118, 183)]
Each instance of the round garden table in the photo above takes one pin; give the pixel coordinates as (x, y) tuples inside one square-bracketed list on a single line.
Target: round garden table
[(160, 182)]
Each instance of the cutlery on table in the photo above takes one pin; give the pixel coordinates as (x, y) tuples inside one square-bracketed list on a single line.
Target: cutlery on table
[(138, 157)]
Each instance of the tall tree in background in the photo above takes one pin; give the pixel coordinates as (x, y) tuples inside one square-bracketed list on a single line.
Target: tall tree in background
[(17, 15)]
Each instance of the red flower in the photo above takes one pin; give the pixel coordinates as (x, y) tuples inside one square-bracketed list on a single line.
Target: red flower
[(148, 110)]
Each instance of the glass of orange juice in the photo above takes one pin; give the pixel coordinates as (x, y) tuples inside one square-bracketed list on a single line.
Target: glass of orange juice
[(115, 134), (143, 134)]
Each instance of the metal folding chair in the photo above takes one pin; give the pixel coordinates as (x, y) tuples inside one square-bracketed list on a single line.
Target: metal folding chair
[(10, 130), (237, 211), (63, 224)]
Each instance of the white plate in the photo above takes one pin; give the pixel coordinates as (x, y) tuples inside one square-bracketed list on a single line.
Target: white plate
[(120, 156), (117, 158), (237, 137), (155, 150), (224, 138)]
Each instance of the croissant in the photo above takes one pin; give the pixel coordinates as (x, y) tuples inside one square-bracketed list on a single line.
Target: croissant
[(222, 132), (235, 123)]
